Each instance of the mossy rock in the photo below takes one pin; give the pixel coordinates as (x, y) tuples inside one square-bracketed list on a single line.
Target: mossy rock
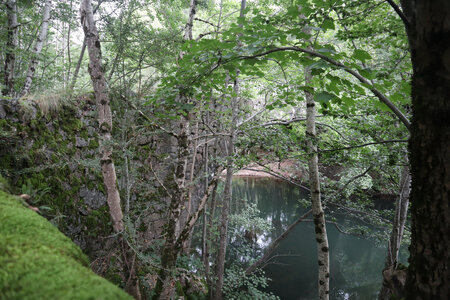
[(39, 262)]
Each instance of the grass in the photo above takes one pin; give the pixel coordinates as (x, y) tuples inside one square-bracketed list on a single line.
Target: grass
[(39, 262)]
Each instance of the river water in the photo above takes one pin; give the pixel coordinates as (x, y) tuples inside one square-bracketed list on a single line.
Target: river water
[(356, 263)]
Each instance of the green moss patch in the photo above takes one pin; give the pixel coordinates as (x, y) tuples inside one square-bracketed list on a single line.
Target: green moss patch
[(39, 262)]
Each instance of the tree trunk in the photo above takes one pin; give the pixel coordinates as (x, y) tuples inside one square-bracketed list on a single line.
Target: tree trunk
[(316, 204), (11, 45), (429, 262), (105, 130), (104, 114), (398, 226), (77, 68), (80, 58), (164, 289), (37, 48), (227, 195), (228, 190)]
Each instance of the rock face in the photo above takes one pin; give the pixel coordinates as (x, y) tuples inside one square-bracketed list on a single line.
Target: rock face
[(39, 262)]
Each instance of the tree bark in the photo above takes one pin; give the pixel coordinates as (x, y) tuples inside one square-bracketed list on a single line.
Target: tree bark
[(316, 204), (429, 262), (37, 48), (228, 190), (170, 251), (105, 135), (11, 45), (225, 212), (80, 58), (398, 226), (104, 113)]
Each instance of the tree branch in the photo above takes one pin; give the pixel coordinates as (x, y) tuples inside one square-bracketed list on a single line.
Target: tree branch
[(275, 244), (363, 145), (399, 13), (354, 73)]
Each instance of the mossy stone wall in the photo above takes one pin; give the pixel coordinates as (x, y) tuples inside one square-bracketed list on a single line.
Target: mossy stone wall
[(54, 158)]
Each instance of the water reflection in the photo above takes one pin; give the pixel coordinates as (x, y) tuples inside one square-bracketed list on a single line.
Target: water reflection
[(356, 263)]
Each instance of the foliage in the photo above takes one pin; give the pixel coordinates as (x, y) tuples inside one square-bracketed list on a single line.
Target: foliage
[(237, 285)]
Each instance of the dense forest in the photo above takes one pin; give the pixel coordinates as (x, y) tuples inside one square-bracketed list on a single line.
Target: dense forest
[(224, 149)]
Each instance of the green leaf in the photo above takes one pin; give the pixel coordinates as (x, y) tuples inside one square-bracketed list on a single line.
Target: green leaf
[(306, 88), (323, 97), (367, 73), (328, 24), (361, 55), (405, 87), (398, 97), (293, 11)]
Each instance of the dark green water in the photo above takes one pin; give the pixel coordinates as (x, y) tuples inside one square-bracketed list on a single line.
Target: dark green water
[(356, 263)]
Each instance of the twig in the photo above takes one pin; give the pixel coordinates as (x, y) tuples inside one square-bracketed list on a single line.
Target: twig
[(363, 145)]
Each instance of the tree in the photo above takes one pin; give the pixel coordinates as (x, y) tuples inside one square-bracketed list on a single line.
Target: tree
[(316, 202), (427, 26), (11, 45), (38, 47), (104, 114), (105, 122)]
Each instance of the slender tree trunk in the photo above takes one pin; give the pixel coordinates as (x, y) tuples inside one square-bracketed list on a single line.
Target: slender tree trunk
[(37, 48), (170, 251), (398, 226), (11, 45), (78, 66), (227, 195), (105, 132), (316, 204), (104, 113), (69, 56), (80, 58), (228, 190), (429, 262)]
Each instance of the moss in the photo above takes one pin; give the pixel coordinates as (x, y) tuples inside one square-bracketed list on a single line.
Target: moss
[(4, 185), (93, 144), (98, 222), (39, 262)]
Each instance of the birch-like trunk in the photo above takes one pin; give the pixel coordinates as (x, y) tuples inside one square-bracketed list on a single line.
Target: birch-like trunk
[(316, 204), (105, 136), (398, 227), (104, 113), (37, 48), (11, 45)]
